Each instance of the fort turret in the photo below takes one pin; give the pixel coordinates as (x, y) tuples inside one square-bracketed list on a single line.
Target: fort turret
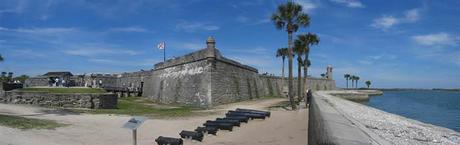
[(329, 72), (210, 43)]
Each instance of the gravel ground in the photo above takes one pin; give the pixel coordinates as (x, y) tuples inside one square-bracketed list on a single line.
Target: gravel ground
[(394, 128), (283, 128)]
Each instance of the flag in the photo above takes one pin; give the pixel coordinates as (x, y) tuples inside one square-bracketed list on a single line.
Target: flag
[(161, 45)]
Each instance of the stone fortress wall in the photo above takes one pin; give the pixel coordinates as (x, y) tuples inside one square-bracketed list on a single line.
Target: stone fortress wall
[(206, 78), (202, 78)]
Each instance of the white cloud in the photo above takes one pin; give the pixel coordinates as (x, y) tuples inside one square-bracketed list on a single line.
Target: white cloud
[(350, 3), (41, 31), (436, 39), (373, 59), (441, 47), (196, 26), (129, 29), (307, 5), (385, 22), (91, 52)]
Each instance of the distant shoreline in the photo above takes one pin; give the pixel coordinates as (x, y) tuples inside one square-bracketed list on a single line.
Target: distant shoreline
[(407, 89)]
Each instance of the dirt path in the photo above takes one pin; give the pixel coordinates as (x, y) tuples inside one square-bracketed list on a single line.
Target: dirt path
[(284, 127)]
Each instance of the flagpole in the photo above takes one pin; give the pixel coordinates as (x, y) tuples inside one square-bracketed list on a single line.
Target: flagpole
[(164, 52)]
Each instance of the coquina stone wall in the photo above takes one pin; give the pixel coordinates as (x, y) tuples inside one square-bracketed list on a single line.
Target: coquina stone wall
[(187, 84), (71, 100), (205, 78)]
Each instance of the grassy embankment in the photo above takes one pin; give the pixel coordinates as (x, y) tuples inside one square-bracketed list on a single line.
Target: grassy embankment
[(144, 107), (28, 123), (64, 90), (141, 106)]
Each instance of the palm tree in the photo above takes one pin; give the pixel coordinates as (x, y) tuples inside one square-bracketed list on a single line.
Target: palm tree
[(282, 52), (346, 76), (352, 78), (306, 41), (1, 58), (290, 17), (368, 83), (299, 50), (356, 81)]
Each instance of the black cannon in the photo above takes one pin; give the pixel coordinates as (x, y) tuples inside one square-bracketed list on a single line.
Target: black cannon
[(210, 130), (222, 126), (233, 122), (266, 113), (250, 115), (191, 134), (201, 129), (239, 118), (169, 141)]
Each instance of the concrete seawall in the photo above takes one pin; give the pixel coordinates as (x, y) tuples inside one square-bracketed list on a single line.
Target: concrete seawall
[(355, 95), (334, 120)]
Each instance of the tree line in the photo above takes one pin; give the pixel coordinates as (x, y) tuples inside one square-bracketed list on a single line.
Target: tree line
[(354, 81)]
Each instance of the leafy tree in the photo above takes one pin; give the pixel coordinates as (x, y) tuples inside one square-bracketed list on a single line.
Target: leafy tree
[(289, 17), (282, 52), (368, 83), (347, 77), (323, 75), (1, 58)]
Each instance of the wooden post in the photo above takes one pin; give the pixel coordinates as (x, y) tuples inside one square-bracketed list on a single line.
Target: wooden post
[(134, 136)]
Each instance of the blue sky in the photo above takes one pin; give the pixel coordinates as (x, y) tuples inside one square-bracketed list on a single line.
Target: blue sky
[(393, 43)]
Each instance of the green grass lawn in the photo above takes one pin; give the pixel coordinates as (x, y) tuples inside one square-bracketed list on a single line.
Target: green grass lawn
[(64, 90), (142, 106), (28, 123)]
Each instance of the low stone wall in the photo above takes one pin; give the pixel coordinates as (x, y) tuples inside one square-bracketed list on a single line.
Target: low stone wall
[(328, 126), (70, 100), (334, 120)]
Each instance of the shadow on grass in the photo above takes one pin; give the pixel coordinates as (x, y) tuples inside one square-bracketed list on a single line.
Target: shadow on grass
[(28, 123)]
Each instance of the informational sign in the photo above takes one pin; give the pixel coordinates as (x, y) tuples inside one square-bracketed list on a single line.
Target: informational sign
[(134, 122)]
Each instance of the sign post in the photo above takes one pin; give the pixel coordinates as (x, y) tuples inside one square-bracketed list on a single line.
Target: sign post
[(133, 124)]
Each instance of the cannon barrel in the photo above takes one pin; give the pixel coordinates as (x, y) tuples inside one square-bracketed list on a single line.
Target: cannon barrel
[(266, 113), (222, 126), (191, 134), (169, 141)]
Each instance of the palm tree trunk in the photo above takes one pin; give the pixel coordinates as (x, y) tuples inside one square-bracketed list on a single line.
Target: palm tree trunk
[(299, 79), (347, 82), (282, 79), (305, 76), (305, 80), (356, 83), (290, 81)]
